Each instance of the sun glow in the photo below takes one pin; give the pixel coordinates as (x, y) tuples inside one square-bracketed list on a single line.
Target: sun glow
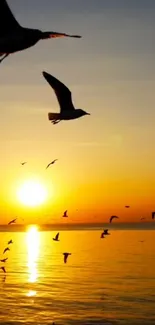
[(32, 193), (33, 241)]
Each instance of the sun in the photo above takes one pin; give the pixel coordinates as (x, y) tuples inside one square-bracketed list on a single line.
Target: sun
[(32, 193)]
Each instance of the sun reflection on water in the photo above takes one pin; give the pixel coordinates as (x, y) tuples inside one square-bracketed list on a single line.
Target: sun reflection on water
[(33, 245)]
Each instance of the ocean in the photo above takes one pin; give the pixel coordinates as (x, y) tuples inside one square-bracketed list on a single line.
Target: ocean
[(105, 281)]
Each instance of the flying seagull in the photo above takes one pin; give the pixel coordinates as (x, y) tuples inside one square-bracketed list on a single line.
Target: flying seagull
[(14, 37), (12, 221), (65, 214), (4, 260), (153, 215), (64, 97), (105, 232), (127, 206), (51, 163), (6, 249), (56, 238), (3, 269), (10, 242), (113, 217), (23, 163), (66, 256)]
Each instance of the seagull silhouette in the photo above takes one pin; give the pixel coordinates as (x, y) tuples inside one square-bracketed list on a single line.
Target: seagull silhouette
[(66, 256), (12, 221), (113, 217), (6, 249), (4, 260), (102, 235), (15, 38), (65, 214), (51, 163), (64, 97), (56, 238), (10, 242), (23, 163), (105, 232), (127, 206), (153, 215), (3, 269)]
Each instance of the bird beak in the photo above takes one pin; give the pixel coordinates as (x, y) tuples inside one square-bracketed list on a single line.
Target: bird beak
[(88, 114)]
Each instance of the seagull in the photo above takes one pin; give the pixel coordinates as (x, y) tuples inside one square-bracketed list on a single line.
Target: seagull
[(153, 215), (10, 242), (56, 237), (51, 163), (6, 249), (102, 235), (113, 217), (3, 269), (64, 97), (127, 206), (23, 163), (15, 38), (66, 256), (12, 221), (105, 232), (4, 260), (65, 214)]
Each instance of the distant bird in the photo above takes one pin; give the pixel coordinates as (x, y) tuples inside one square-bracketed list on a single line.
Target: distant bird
[(153, 215), (141, 241), (64, 97), (105, 232), (56, 238), (4, 260), (142, 218), (102, 235), (65, 214), (3, 269), (23, 163), (10, 242), (66, 256), (127, 206), (4, 278), (15, 38), (6, 249), (51, 163), (12, 221), (113, 217)]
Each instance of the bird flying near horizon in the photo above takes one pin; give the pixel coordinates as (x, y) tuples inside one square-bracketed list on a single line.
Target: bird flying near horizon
[(64, 97), (51, 163), (127, 206), (66, 256), (4, 260), (6, 249), (56, 238), (23, 163), (15, 38), (65, 214), (113, 217), (12, 221), (3, 269), (102, 235), (10, 242), (105, 232)]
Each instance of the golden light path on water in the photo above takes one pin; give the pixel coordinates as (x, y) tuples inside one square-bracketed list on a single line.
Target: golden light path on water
[(33, 247)]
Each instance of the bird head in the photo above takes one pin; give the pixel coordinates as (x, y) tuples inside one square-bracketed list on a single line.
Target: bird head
[(82, 112)]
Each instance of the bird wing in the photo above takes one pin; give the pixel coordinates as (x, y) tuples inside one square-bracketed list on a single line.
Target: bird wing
[(57, 236), (7, 20), (48, 165), (3, 268), (63, 94), (113, 217)]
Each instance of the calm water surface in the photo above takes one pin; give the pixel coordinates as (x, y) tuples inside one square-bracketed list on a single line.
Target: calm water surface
[(106, 281)]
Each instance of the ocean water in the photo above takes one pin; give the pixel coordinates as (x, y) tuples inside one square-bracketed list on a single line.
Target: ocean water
[(105, 281)]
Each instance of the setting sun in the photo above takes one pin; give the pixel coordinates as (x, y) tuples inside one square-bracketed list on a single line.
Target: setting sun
[(32, 193)]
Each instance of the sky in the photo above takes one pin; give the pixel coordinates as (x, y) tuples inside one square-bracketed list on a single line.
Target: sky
[(105, 160)]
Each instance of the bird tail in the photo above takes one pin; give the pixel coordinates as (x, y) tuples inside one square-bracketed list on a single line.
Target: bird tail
[(53, 116), (56, 35)]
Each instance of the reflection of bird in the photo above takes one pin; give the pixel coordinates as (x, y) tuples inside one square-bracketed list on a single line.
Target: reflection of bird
[(51, 163), (113, 217), (65, 214), (105, 232), (6, 249), (56, 238), (4, 260), (14, 38), (3, 269), (102, 235), (23, 163), (10, 242), (64, 97), (12, 221), (66, 256), (127, 206), (153, 215)]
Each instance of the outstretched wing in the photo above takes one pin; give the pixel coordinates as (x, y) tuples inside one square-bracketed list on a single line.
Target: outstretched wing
[(63, 94), (7, 20), (57, 236)]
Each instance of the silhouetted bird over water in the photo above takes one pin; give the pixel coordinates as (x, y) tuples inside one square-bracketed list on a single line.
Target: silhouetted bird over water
[(6, 249), (65, 215), (14, 37), (51, 163), (10, 242), (113, 217), (56, 238), (66, 256), (12, 221), (64, 97), (4, 260), (3, 269)]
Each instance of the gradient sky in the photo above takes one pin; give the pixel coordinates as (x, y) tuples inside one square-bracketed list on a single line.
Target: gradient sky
[(106, 160)]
